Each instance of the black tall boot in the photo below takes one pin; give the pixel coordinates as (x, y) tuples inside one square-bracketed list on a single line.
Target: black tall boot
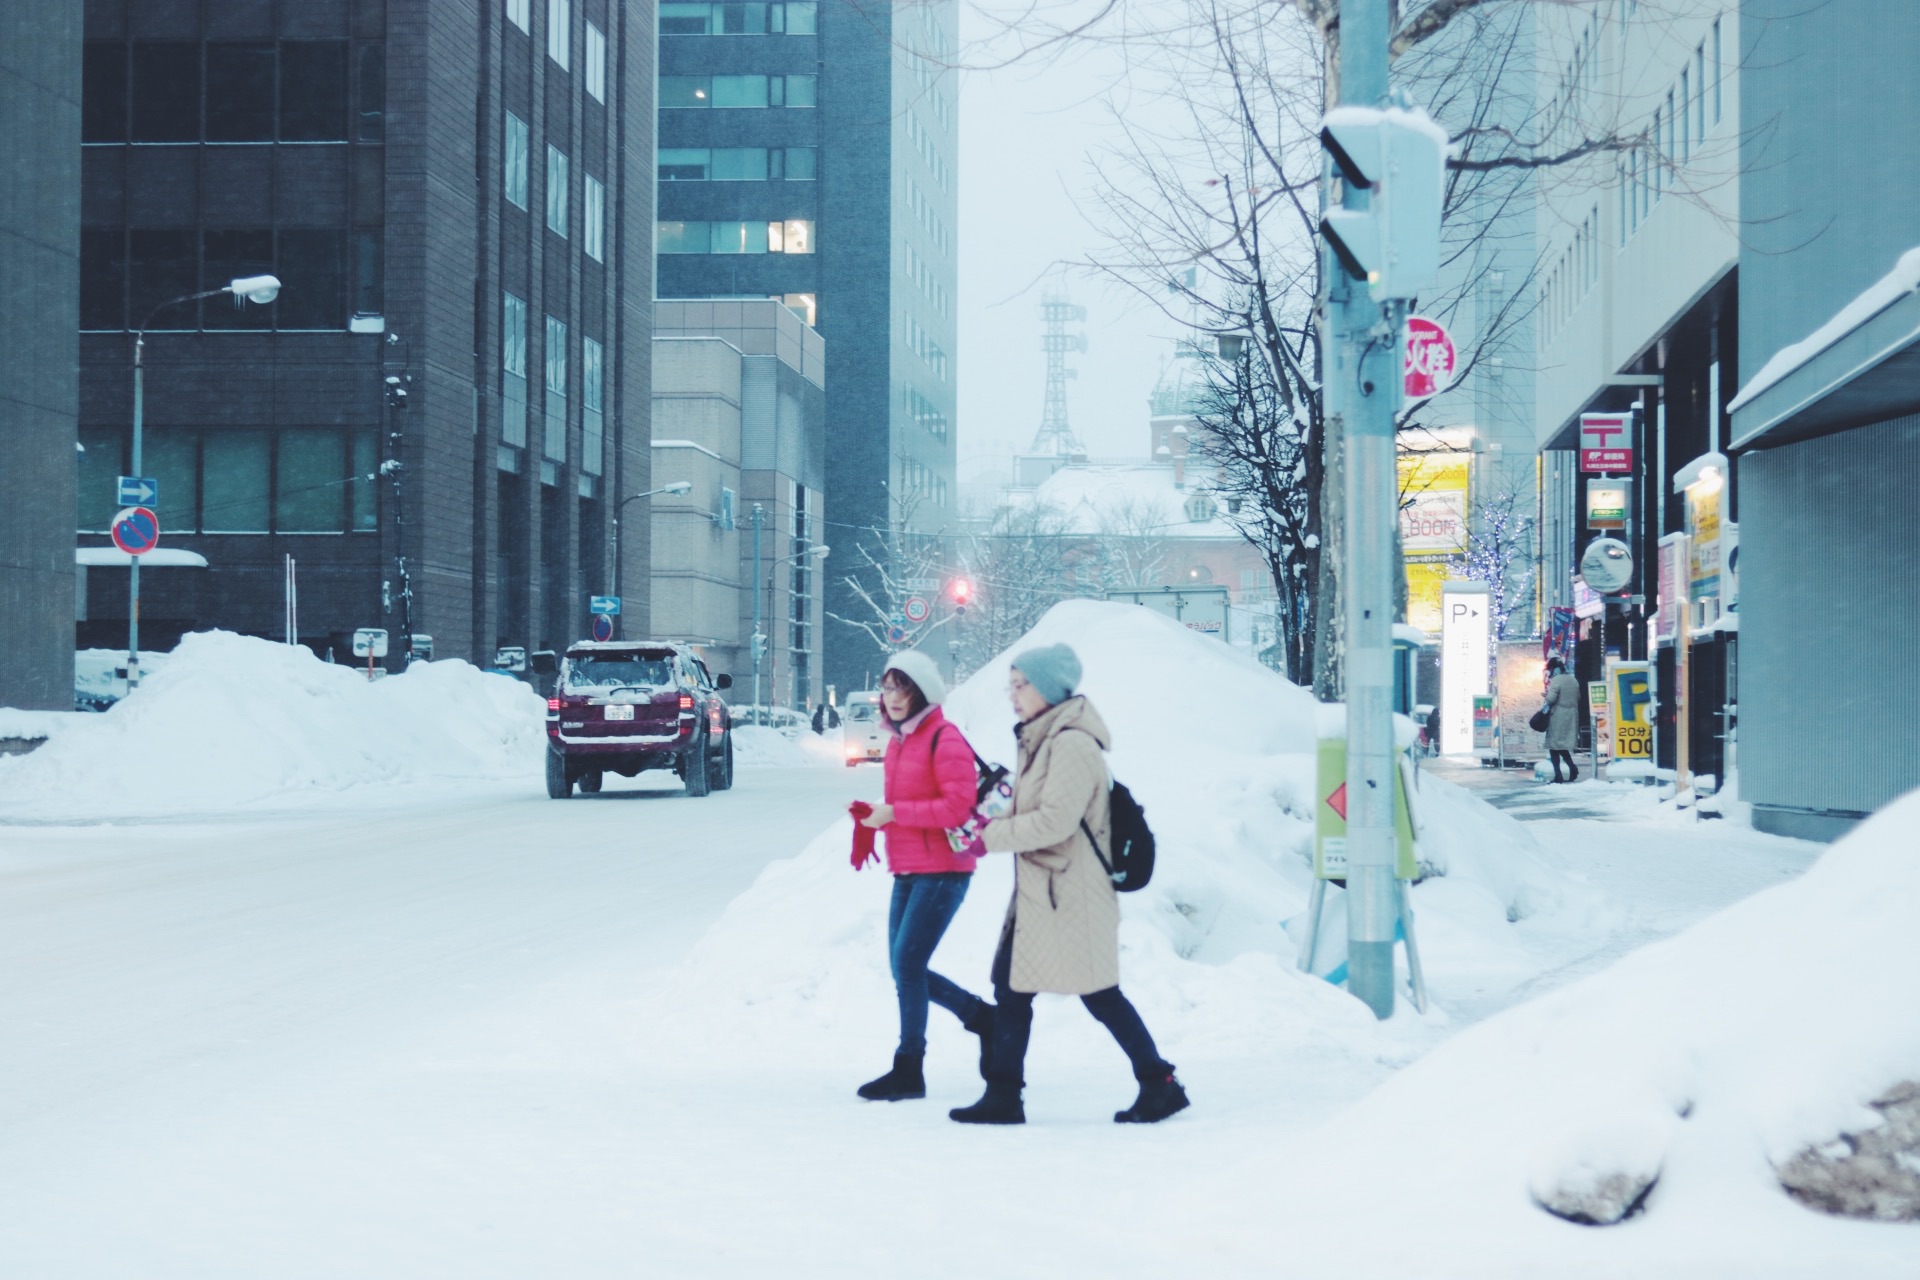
[(1000, 1104), (980, 1022), (905, 1081), (1160, 1096)]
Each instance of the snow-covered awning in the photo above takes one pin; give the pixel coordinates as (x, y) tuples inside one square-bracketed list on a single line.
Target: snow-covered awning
[(1859, 366), (158, 558), (1696, 470)]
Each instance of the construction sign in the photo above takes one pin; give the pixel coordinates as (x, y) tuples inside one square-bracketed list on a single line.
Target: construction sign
[(1330, 814)]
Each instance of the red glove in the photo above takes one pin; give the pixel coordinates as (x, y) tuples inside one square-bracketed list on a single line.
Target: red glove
[(862, 834)]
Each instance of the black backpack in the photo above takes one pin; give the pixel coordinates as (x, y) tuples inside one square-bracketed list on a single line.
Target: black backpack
[(1132, 863)]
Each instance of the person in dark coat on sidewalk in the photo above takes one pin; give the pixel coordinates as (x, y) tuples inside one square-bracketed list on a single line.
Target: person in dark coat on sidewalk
[(1563, 718), (930, 785), (1062, 929)]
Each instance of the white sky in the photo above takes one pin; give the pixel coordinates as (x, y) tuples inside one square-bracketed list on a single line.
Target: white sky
[(1027, 138)]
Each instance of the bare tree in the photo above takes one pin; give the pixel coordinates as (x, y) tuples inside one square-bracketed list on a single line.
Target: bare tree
[(1500, 539), (1031, 558), (1130, 543)]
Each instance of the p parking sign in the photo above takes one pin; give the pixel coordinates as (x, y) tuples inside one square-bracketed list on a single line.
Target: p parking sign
[(1632, 711)]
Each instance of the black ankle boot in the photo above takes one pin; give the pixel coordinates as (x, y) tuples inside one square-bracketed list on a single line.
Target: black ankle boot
[(981, 1024), (1159, 1098), (1000, 1104), (904, 1081)]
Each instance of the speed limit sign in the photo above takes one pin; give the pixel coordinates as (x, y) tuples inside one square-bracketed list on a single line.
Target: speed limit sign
[(916, 609)]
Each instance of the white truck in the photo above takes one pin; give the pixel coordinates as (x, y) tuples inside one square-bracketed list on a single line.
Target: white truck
[(863, 733)]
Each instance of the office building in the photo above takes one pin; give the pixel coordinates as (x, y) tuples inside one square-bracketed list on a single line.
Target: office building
[(808, 153), (39, 391), (739, 412), (457, 200)]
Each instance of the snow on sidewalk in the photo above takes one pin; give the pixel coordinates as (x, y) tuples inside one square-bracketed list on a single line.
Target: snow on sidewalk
[(1764, 1029)]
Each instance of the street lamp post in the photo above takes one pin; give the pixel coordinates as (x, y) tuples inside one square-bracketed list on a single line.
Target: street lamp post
[(813, 553), (256, 289), (619, 566)]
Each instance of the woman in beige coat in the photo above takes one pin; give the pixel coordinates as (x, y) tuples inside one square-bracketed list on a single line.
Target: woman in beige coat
[(1062, 931)]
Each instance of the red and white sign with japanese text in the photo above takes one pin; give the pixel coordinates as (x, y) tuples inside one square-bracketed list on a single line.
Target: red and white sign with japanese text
[(1429, 358), (1606, 443)]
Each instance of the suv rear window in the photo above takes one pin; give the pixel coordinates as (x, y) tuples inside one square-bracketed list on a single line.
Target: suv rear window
[(619, 671)]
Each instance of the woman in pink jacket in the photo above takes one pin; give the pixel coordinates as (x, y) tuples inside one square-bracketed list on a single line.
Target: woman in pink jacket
[(931, 785)]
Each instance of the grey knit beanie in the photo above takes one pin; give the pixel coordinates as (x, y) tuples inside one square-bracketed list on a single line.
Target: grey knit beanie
[(1053, 670)]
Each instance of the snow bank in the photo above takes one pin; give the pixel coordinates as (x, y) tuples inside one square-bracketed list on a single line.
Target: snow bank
[(759, 747), (1708, 1059), (231, 720), (1220, 752)]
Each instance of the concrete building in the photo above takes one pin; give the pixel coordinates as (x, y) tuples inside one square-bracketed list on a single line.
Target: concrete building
[(453, 196), (1826, 426), (39, 391), (739, 410), (809, 153), (1637, 312)]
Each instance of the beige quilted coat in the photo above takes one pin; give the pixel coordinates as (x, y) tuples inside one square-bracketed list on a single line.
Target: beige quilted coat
[(1065, 915)]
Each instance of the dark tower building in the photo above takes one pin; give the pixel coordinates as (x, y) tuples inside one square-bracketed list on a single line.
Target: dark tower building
[(39, 268), (454, 197), (809, 152)]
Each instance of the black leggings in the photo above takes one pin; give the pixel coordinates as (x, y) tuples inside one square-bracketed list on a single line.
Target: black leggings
[(1573, 770), (1013, 1024)]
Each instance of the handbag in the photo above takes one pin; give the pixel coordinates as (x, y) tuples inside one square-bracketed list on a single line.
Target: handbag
[(1539, 720)]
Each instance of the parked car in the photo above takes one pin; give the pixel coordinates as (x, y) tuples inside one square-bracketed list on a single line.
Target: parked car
[(627, 706), (863, 732)]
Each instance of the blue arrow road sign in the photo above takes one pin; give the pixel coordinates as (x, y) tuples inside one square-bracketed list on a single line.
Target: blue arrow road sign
[(609, 605), (139, 491)]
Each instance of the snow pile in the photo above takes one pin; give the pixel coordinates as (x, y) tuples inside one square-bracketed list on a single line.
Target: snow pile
[(760, 747), (231, 720), (1710, 1059), (1220, 752)]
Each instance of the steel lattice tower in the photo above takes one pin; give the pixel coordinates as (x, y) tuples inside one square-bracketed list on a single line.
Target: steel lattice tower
[(1056, 313)]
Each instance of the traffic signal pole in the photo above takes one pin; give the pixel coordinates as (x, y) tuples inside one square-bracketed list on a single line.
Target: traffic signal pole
[(1363, 392)]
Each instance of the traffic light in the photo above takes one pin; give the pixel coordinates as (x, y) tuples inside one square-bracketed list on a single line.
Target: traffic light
[(961, 589), (1398, 158)]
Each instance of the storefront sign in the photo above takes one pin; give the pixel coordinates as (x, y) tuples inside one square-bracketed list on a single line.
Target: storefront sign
[(1600, 714), (1703, 539), (1430, 358), (1607, 503), (1606, 442), (1673, 559), (1464, 674), (1632, 707), (1483, 723)]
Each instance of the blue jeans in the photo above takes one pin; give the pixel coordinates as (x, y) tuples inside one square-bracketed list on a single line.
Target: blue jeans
[(923, 906)]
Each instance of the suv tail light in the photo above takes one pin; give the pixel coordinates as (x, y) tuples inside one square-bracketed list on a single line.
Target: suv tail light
[(686, 702), (553, 704)]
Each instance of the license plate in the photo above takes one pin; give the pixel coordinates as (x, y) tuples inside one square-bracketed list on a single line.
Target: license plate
[(619, 713)]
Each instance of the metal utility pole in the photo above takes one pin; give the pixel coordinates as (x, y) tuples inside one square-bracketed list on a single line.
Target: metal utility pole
[(757, 642), (1364, 391), (1382, 242), (259, 290)]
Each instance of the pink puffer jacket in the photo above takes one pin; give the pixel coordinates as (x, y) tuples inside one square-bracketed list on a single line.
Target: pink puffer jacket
[(928, 795)]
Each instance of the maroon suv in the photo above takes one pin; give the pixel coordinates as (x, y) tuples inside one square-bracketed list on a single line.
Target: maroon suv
[(625, 706)]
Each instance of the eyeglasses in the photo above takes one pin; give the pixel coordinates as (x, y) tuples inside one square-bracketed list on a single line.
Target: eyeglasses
[(892, 685), (1015, 684)]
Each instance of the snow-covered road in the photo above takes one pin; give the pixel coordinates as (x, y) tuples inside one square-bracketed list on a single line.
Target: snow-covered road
[(426, 1035)]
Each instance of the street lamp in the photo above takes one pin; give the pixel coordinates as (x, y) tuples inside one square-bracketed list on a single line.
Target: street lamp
[(619, 567), (256, 289), (814, 553)]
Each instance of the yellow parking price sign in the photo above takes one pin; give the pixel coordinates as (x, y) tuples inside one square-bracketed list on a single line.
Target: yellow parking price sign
[(1632, 710)]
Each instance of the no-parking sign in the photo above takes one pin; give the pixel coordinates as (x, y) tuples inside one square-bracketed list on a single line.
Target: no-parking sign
[(136, 531)]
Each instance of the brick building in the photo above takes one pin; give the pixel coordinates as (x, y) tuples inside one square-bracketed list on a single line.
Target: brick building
[(458, 200)]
